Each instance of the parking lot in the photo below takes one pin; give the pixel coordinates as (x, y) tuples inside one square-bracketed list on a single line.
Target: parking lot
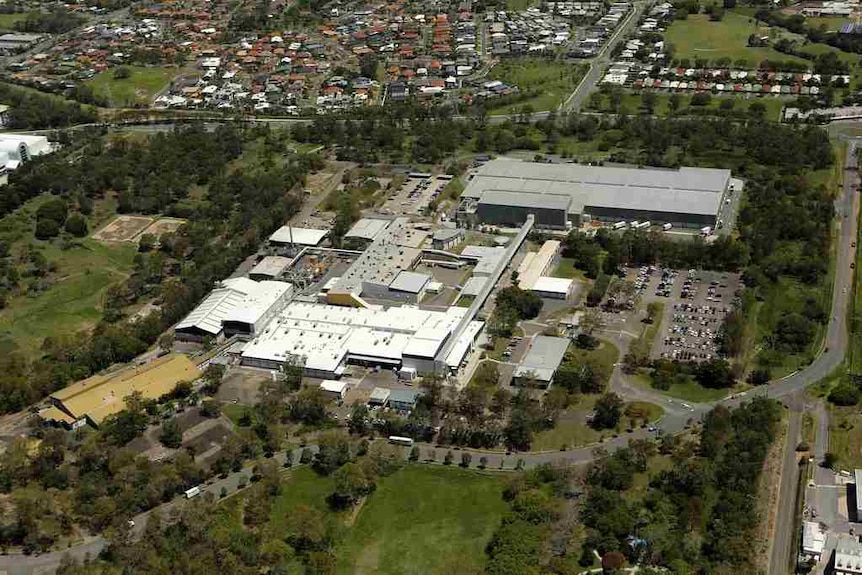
[(695, 303), (414, 196)]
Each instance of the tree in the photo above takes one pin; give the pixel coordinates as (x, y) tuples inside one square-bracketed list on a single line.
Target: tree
[(210, 408), (483, 462), (77, 225), (122, 73), (414, 453), (171, 436), (368, 65), (653, 308), (674, 102), (845, 393), (351, 485), (830, 460), (333, 452), (715, 374), (649, 101), (466, 459), (166, 342), (447, 460), (608, 410), (47, 229), (213, 375)]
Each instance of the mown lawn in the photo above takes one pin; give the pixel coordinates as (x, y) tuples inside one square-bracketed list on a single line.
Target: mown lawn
[(302, 487), (831, 24), (566, 269), (688, 391), (424, 520), (698, 37), (140, 88), (566, 434)]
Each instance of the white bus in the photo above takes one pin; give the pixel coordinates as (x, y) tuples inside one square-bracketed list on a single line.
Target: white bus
[(193, 492), (642, 225), (706, 230), (619, 225), (406, 441), (634, 224)]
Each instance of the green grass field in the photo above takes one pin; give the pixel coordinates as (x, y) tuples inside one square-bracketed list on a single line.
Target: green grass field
[(302, 487), (845, 436), (140, 88), (566, 269), (688, 391), (831, 24), (7, 21), (424, 520), (698, 37), (565, 434), (551, 81), (73, 298)]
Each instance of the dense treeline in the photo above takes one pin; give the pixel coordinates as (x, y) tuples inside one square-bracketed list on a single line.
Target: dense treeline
[(241, 208), (57, 21), (31, 110), (697, 516)]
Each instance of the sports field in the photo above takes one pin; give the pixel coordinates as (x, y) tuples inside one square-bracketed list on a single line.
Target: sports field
[(139, 88), (698, 37)]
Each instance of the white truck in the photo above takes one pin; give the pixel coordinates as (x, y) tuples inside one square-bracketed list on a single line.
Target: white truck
[(634, 224), (619, 225), (397, 440), (705, 231), (666, 227), (643, 225), (193, 492)]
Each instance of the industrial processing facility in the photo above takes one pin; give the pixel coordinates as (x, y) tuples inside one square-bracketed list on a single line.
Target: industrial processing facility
[(504, 191)]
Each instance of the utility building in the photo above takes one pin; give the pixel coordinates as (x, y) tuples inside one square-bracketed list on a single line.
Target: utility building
[(541, 361), (504, 191)]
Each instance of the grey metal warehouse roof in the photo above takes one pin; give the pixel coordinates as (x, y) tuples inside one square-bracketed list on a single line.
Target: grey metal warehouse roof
[(520, 200), (411, 282), (543, 358), (687, 190)]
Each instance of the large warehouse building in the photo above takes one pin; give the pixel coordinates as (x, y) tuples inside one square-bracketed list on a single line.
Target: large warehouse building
[(504, 191)]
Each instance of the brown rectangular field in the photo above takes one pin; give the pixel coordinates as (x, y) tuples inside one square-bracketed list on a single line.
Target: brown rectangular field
[(163, 226), (123, 229)]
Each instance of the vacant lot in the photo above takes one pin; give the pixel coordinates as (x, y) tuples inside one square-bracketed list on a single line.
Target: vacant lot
[(73, 298), (424, 520), (139, 88), (123, 229), (698, 37), (845, 436), (547, 82)]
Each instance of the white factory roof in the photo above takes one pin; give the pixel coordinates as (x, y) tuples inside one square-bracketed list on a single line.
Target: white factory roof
[(15, 147), (547, 284), (459, 350), (326, 334), (367, 229), (271, 266), (426, 342), (384, 259), (301, 236), (333, 386), (813, 538), (410, 282), (220, 303), (258, 301), (848, 555), (686, 190)]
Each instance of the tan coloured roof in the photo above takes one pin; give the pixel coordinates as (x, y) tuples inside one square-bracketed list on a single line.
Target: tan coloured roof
[(101, 396)]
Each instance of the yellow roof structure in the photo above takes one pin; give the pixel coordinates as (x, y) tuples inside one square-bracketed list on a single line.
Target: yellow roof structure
[(56, 415), (102, 395)]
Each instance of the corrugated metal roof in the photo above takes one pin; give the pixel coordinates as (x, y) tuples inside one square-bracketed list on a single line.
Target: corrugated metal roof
[(410, 282), (687, 190), (543, 357), (521, 200)]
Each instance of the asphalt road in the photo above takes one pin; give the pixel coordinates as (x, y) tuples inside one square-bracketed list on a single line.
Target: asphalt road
[(785, 526), (600, 62)]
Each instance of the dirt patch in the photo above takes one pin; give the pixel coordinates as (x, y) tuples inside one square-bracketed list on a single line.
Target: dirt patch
[(123, 229), (214, 437), (242, 386), (354, 514), (189, 419), (164, 226), (368, 560)]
